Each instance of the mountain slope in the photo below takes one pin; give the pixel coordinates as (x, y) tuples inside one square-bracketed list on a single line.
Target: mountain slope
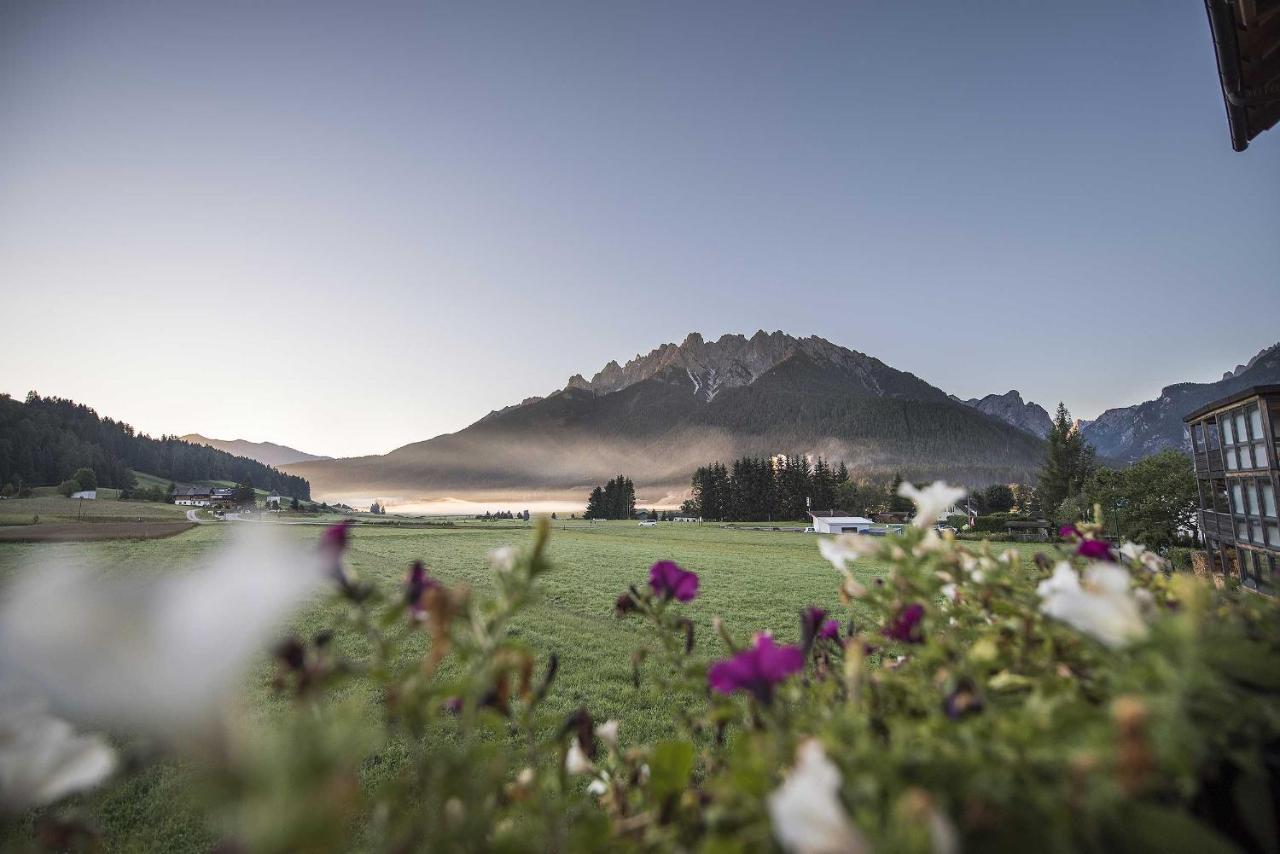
[(1010, 408), (1131, 432), (267, 453), (663, 414)]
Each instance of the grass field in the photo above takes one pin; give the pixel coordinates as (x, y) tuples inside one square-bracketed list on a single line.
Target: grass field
[(51, 508), (754, 580)]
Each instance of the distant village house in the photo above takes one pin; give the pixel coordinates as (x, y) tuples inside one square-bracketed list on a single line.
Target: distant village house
[(837, 522), (203, 496)]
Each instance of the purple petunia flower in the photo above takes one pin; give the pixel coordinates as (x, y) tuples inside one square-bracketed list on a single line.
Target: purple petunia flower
[(671, 582), (811, 619), (963, 701), (1067, 531), (1095, 550), (756, 670), (905, 625), (336, 536), (416, 587), (815, 626)]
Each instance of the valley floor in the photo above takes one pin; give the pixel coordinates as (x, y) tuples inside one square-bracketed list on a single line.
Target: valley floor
[(755, 580)]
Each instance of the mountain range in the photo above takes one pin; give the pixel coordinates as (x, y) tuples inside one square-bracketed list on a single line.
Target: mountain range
[(1132, 432), (662, 414), (267, 453)]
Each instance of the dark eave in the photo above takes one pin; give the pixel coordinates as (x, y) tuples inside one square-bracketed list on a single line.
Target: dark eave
[(1221, 403), (1246, 40)]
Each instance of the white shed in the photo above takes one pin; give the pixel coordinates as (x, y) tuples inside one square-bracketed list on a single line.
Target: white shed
[(832, 523), (89, 494)]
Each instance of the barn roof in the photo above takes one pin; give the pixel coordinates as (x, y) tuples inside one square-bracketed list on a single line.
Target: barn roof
[(1246, 39)]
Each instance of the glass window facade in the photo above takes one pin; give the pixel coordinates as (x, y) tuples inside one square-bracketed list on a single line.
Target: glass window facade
[(1236, 447)]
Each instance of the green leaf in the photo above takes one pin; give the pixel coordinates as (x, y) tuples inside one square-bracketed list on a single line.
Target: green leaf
[(1159, 830), (670, 769), (1253, 801)]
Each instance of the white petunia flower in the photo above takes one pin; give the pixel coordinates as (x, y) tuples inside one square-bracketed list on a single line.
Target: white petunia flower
[(841, 549), (42, 759), (931, 501), (949, 590), (576, 761), (608, 733), (598, 786), (503, 559), (160, 654), (1140, 554), (1101, 607), (806, 812)]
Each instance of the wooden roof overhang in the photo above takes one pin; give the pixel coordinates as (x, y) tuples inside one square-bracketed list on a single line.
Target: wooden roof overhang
[(1246, 39)]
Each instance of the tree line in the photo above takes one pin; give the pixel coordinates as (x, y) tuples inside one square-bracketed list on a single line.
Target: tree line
[(46, 440), (766, 488), (615, 500), (1153, 501)]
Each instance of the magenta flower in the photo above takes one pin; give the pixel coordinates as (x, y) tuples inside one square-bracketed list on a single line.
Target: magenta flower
[(1095, 550), (905, 625), (335, 537), (671, 582), (1067, 531), (815, 626), (416, 587), (756, 670)]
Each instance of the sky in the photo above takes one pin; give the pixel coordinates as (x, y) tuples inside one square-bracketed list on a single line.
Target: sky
[(349, 226)]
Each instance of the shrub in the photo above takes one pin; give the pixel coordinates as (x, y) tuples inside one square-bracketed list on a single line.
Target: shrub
[(1179, 558), (1068, 703), (67, 487), (992, 523)]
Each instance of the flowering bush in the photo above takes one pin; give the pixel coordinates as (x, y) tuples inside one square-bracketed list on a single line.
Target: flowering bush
[(1088, 699)]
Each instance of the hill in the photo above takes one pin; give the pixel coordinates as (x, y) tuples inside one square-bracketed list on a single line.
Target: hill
[(267, 453), (1132, 432), (661, 415), (44, 440)]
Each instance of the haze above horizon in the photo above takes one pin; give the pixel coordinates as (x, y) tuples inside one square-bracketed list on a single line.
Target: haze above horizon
[(345, 229)]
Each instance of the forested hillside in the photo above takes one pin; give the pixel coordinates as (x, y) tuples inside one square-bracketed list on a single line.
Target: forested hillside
[(44, 440)]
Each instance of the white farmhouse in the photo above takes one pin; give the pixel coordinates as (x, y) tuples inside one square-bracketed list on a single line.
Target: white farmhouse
[(833, 522)]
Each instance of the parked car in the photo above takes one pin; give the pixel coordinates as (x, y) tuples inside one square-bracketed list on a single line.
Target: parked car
[(811, 530), (648, 523)]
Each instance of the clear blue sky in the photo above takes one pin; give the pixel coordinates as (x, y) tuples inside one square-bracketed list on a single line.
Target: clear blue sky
[(395, 218)]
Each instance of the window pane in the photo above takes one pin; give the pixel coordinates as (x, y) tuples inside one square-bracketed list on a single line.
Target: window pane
[(1253, 499), (1242, 532), (1230, 454), (1245, 569), (1237, 499), (1220, 497), (1228, 435), (1197, 436), (1246, 458), (1239, 422), (1255, 422), (1212, 428), (1257, 533), (1273, 535), (1269, 499), (1260, 455)]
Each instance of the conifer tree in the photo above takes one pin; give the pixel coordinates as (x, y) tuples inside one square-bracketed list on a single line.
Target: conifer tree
[(1068, 463)]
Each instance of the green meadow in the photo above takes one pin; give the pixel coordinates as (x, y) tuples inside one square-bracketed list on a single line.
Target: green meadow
[(755, 580)]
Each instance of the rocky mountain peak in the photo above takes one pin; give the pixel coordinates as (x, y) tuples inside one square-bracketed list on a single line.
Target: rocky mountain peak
[(1011, 409), (1240, 369)]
